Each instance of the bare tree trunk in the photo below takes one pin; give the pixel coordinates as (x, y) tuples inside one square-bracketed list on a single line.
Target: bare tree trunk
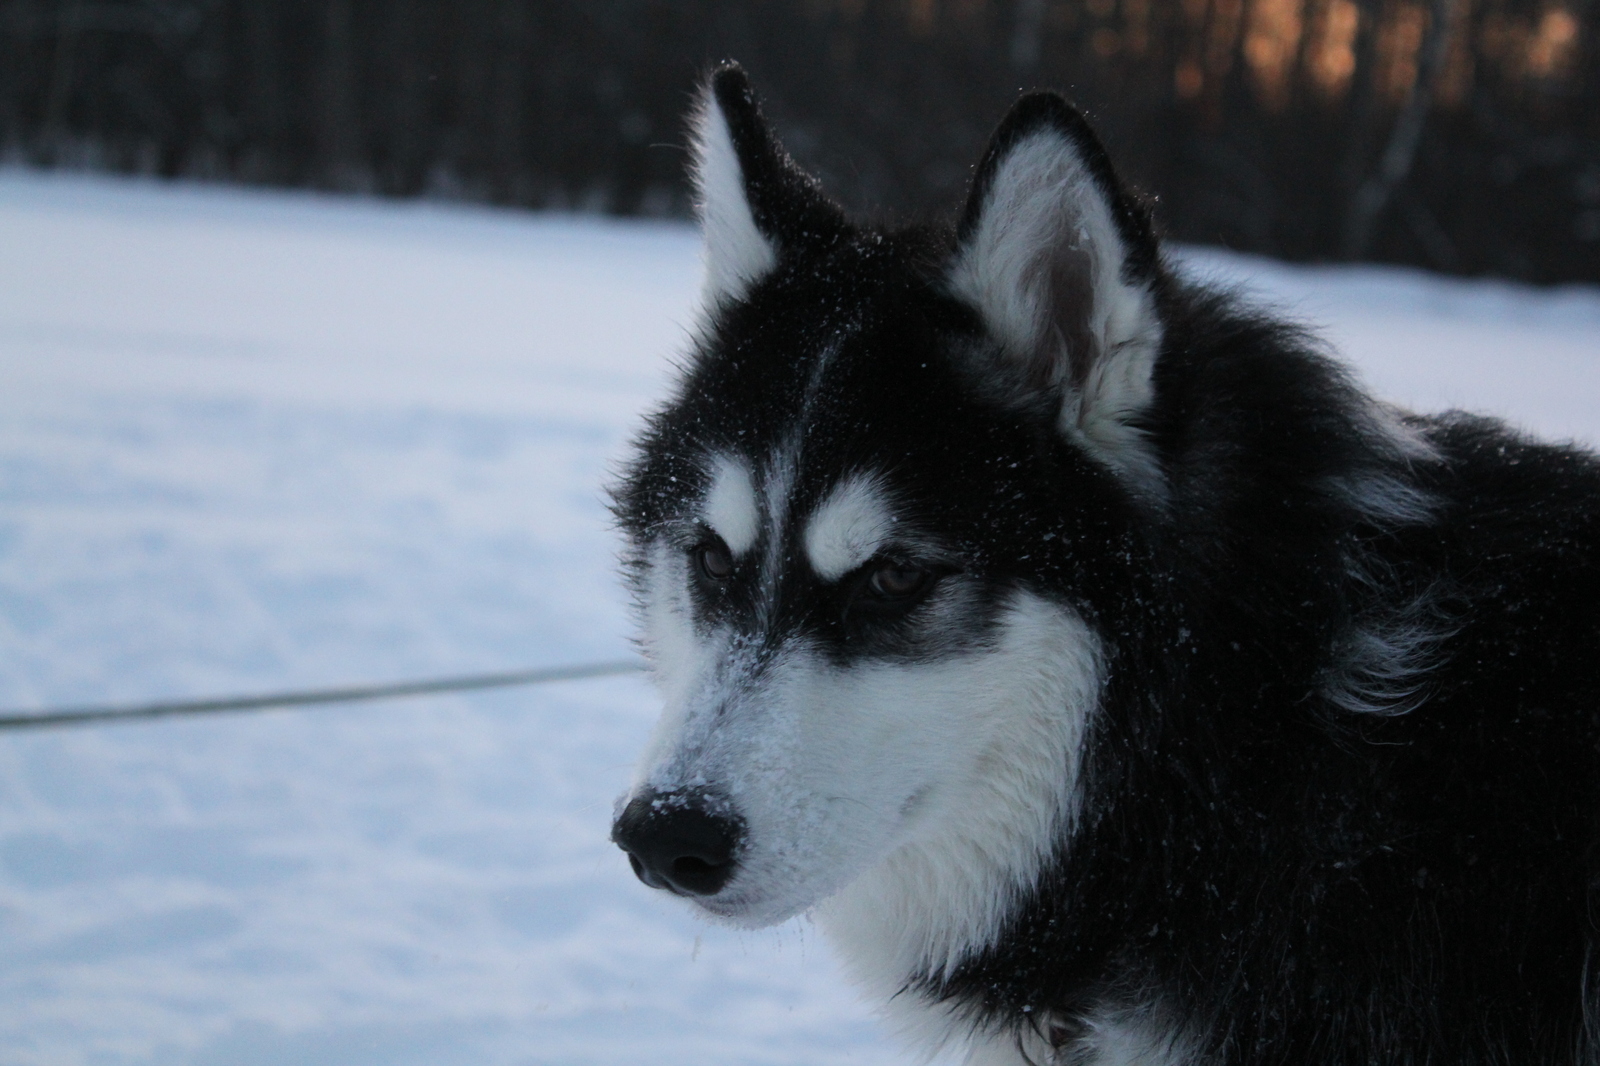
[(1401, 152), (339, 132), (61, 78), (1026, 33), (265, 151), (508, 160)]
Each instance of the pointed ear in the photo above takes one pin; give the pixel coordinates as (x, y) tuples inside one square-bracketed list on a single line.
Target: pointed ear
[(754, 203), (1061, 262)]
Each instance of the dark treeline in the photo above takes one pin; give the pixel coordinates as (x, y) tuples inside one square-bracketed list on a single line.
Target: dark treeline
[(1462, 135)]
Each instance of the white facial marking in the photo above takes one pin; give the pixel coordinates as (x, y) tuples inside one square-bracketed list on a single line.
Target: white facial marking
[(736, 251), (1005, 729), (849, 527), (922, 797), (678, 659), (730, 507)]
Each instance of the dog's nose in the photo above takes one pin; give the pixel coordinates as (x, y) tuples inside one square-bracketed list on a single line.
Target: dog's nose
[(685, 842)]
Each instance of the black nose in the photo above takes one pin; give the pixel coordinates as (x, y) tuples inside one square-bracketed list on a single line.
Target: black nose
[(685, 842)]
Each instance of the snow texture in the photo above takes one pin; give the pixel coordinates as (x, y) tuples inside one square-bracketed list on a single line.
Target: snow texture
[(252, 441)]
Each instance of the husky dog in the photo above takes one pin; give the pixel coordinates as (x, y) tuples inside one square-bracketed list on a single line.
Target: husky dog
[(1109, 677)]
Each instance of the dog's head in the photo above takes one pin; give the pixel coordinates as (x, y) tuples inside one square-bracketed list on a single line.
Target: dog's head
[(867, 535)]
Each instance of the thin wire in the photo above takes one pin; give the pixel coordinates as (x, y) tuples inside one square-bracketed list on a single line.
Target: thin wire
[(349, 694)]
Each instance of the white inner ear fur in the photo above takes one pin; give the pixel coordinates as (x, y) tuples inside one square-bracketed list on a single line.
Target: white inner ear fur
[(1042, 211), (849, 527), (735, 252), (730, 507)]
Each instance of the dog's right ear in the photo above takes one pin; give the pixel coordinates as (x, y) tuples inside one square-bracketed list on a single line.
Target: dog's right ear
[(754, 203)]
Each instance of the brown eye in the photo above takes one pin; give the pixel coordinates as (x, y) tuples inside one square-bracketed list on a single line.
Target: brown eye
[(895, 581), (715, 562)]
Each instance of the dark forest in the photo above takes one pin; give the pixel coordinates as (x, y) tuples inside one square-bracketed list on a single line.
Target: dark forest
[(1459, 135)]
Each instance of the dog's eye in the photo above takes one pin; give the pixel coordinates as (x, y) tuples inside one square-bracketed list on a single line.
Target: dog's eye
[(714, 561), (897, 581)]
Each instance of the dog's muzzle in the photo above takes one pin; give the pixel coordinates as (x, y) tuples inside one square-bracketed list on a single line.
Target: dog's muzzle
[(685, 842)]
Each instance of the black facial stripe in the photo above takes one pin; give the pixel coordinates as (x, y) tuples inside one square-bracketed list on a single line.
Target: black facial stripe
[(806, 388)]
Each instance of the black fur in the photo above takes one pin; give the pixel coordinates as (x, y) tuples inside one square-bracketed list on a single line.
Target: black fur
[(788, 205), (1295, 881)]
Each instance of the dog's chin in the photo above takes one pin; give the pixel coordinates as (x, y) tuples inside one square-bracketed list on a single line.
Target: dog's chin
[(748, 906), (748, 910)]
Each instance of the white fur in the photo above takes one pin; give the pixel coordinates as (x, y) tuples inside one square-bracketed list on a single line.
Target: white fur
[(736, 252), (961, 772), (1123, 1038), (731, 508), (908, 804), (1043, 205), (1136, 1036), (849, 527), (1381, 662), (676, 657), (1011, 722), (1390, 498), (1128, 1037), (1382, 667)]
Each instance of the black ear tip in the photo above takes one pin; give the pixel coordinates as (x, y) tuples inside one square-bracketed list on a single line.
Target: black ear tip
[(1044, 100), (731, 86), (786, 203), (1033, 113), (1039, 110)]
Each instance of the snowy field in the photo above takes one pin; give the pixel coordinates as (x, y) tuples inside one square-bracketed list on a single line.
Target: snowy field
[(251, 441)]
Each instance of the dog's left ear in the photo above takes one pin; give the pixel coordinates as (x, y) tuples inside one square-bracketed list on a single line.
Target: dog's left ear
[(1061, 262)]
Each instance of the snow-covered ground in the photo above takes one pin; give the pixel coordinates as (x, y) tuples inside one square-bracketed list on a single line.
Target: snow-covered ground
[(251, 441)]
